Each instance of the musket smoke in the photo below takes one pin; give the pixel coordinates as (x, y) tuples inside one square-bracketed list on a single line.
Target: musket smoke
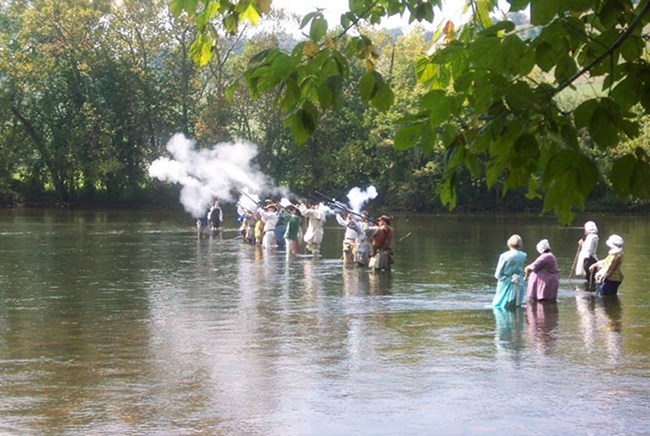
[(357, 198), (209, 174)]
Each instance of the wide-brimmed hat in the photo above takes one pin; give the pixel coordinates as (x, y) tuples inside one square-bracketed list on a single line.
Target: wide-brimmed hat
[(615, 243), (543, 245), (591, 227)]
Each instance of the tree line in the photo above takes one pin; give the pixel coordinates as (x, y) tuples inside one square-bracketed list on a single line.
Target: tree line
[(90, 92)]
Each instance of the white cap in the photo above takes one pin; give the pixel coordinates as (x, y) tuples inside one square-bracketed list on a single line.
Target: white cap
[(591, 227), (615, 243), (543, 245)]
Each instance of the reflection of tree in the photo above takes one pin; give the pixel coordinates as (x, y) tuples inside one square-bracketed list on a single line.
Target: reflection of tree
[(542, 320), (601, 314)]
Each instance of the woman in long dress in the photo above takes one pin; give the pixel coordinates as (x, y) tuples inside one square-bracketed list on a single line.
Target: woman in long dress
[(608, 271), (543, 275), (587, 255), (510, 275)]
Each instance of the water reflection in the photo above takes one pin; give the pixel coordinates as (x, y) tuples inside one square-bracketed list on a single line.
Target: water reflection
[(601, 320), (361, 281), (542, 321), (509, 336)]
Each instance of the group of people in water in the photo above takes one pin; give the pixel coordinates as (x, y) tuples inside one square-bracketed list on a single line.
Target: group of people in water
[(540, 280), (274, 225), (367, 242)]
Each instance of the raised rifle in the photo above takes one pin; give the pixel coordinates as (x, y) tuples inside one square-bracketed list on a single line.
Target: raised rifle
[(338, 205)]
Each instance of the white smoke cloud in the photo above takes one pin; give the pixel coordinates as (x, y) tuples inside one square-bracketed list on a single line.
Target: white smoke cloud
[(209, 174), (357, 198)]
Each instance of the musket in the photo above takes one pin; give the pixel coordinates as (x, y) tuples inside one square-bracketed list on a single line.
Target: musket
[(339, 205), (257, 202)]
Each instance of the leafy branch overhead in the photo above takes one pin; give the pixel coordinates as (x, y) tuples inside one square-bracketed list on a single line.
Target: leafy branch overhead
[(492, 88)]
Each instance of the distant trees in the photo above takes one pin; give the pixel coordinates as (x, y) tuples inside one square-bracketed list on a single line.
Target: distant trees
[(497, 114)]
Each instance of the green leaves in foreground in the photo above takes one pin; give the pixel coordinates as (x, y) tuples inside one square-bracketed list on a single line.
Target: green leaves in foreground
[(631, 175)]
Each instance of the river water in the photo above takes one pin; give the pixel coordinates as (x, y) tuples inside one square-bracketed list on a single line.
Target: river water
[(123, 322)]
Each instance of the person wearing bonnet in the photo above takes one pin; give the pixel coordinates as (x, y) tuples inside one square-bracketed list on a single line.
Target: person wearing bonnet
[(608, 271), (543, 275), (587, 255)]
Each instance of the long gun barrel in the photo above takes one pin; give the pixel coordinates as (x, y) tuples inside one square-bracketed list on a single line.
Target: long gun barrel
[(341, 206)]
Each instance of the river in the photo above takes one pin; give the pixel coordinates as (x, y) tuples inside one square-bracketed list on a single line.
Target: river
[(124, 322)]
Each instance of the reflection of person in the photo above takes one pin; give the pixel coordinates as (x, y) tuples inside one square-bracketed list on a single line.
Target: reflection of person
[(543, 275), (587, 255), (510, 274), (608, 271), (542, 320)]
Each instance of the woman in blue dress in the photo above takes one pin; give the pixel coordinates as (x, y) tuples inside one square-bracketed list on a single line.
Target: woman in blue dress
[(510, 274)]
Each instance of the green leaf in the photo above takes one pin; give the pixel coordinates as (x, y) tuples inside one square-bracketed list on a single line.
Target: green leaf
[(602, 127), (368, 86), (176, 7), (543, 11), (439, 106), (584, 113), (318, 28), (631, 176), (565, 69), (384, 97), (408, 136), (230, 91), (303, 122), (546, 56), (201, 49)]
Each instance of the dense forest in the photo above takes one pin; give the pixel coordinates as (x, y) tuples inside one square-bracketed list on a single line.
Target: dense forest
[(91, 91)]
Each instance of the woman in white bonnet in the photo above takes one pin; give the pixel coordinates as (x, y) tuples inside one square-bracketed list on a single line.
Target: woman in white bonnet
[(608, 271), (543, 275), (587, 255)]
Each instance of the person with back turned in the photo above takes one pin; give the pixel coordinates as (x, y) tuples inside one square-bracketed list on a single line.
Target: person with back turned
[(510, 275)]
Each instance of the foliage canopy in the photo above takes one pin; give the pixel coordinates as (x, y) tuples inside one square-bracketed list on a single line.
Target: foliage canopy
[(491, 88)]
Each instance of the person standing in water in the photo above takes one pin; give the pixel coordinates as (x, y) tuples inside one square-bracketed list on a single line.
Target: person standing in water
[(607, 272), (587, 255), (381, 240), (542, 275), (510, 275), (315, 221), (215, 218)]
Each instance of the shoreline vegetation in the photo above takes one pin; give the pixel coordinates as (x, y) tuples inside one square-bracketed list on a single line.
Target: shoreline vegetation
[(169, 201)]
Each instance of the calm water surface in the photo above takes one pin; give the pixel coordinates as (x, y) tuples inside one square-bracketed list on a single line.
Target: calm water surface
[(125, 322)]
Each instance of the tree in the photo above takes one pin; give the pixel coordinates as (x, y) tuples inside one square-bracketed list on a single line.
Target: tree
[(491, 88)]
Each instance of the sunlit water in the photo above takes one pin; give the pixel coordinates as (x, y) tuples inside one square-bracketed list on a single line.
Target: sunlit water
[(126, 322)]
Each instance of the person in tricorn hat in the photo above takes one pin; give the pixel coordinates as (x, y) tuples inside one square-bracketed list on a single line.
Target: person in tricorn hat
[(382, 237)]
